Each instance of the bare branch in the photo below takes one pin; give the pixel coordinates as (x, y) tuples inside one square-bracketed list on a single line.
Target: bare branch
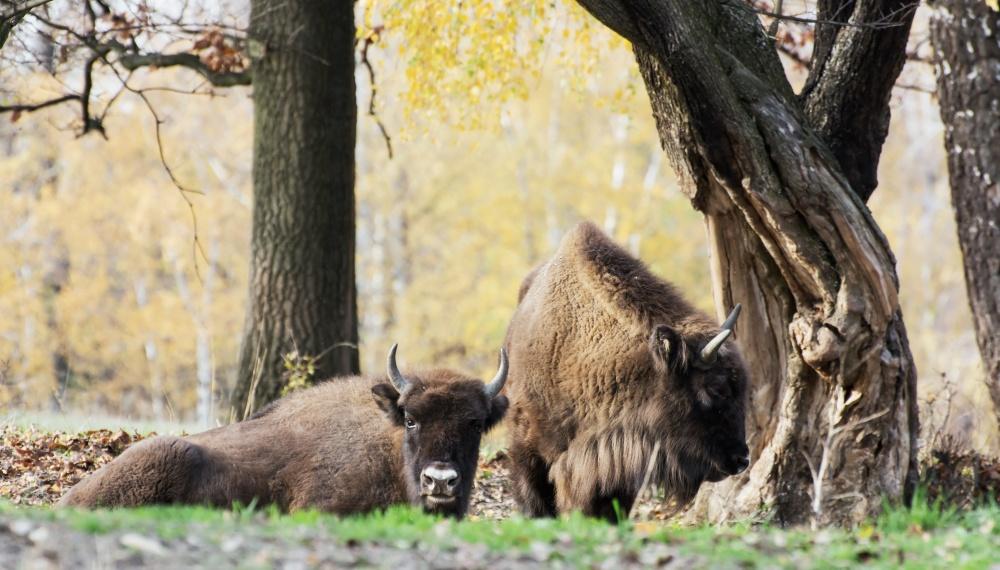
[(31, 107), (130, 60), (196, 90), (772, 30), (184, 190), (133, 61), (90, 123), (91, 16), (367, 43), (795, 56), (887, 21), (20, 12), (117, 49), (63, 28), (197, 246), (9, 21)]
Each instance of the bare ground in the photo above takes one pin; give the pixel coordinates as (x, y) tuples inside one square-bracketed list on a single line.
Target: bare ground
[(32, 545)]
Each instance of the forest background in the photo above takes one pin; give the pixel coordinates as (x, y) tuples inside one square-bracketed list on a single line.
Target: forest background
[(108, 307)]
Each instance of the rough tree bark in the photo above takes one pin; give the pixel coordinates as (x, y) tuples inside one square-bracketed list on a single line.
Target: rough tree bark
[(302, 285), (966, 39), (782, 179)]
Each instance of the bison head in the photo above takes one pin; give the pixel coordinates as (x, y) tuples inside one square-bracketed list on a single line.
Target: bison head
[(706, 384), (443, 417)]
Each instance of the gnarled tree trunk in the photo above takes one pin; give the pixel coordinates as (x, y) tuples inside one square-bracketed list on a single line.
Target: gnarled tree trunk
[(302, 288), (966, 38), (782, 179)]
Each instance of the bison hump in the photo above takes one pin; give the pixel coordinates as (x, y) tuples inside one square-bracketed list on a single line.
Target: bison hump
[(625, 285)]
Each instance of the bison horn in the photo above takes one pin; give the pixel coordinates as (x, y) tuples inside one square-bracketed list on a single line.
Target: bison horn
[(494, 387), (395, 376), (711, 349)]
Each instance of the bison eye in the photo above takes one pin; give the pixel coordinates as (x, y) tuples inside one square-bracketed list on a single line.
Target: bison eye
[(410, 424)]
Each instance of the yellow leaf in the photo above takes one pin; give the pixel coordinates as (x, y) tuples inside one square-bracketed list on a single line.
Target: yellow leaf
[(646, 527)]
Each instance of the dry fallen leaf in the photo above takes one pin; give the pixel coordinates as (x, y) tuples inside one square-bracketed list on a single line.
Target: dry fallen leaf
[(38, 467)]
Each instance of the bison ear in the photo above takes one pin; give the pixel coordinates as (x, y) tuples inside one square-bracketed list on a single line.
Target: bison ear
[(387, 399), (668, 348), (498, 407)]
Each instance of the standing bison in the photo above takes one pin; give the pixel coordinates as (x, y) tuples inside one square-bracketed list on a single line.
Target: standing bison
[(346, 446), (607, 361)]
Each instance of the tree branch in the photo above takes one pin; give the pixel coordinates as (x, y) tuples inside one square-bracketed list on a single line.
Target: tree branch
[(133, 61), (615, 15), (21, 11), (183, 190), (130, 60), (792, 54), (846, 97), (835, 21), (772, 30), (9, 21), (367, 43), (31, 107), (90, 123)]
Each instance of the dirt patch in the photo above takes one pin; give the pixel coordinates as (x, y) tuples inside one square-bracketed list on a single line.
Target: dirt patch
[(491, 496)]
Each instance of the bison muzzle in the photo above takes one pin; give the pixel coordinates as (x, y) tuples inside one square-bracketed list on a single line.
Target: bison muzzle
[(349, 445)]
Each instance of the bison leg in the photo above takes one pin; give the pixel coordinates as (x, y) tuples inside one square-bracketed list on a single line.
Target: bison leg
[(155, 471), (533, 491), (579, 492), (613, 508)]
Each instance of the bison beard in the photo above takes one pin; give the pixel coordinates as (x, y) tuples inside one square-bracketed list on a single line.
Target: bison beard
[(330, 447), (607, 360)]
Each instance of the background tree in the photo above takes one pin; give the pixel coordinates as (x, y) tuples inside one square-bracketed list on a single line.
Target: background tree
[(303, 298), (782, 179), (966, 39), (301, 317)]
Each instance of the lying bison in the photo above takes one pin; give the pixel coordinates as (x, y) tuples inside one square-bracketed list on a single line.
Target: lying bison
[(607, 361), (346, 446)]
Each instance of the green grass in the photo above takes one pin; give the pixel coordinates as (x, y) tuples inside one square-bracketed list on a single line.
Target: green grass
[(924, 536)]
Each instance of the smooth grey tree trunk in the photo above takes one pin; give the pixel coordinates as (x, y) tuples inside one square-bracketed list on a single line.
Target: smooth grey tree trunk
[(302, 277), (966, 39), (782, 179)]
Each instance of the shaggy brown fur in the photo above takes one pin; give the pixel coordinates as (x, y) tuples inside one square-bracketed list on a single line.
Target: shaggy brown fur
[(350, 445), (604, 361)]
